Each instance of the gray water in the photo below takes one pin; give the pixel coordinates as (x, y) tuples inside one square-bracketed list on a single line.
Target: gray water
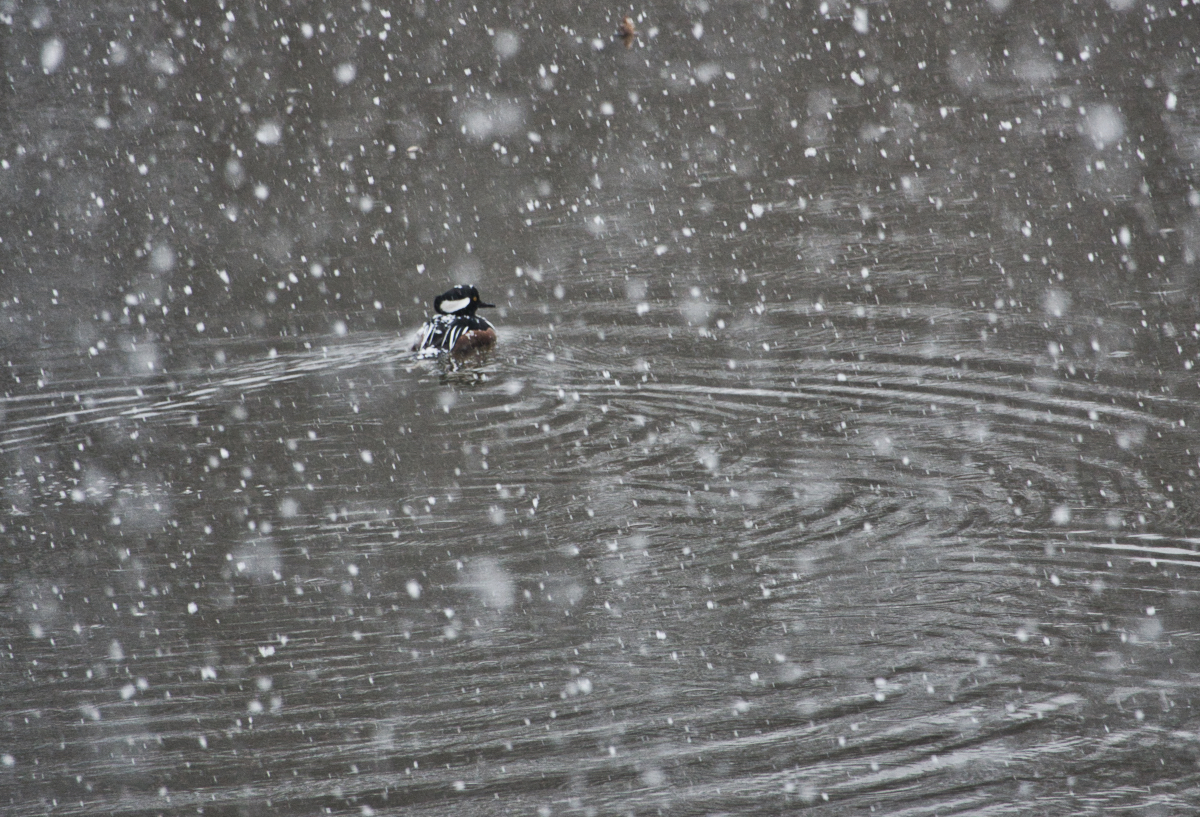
[(838, 452)]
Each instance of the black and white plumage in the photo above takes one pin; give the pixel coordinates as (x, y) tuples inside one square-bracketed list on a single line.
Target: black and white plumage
[(456, 328)]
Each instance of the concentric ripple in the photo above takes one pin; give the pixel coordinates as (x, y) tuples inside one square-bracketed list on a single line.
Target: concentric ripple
[(863, 569)]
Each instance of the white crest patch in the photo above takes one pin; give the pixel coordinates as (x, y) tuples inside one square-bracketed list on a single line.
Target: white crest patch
[(454, 306)]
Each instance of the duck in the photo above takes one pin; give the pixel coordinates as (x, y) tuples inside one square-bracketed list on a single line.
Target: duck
[(455, 328)]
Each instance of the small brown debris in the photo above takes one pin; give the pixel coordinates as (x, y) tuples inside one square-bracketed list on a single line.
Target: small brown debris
[(627, 31)]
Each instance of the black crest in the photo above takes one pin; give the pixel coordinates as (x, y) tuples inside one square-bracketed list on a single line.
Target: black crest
[(462, 300)]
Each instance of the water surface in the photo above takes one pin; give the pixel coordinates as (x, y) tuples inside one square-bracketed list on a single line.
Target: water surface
[(838, 452)]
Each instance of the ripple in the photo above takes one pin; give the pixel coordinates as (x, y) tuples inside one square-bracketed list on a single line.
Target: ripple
[(720, 575)]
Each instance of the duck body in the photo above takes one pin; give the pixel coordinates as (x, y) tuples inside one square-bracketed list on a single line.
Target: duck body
[(455, 328)]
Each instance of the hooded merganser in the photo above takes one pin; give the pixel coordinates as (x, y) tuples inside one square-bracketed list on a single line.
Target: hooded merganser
[(456, 328)]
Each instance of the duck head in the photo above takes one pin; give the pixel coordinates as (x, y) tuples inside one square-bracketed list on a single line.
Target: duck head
[(462, 300)]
